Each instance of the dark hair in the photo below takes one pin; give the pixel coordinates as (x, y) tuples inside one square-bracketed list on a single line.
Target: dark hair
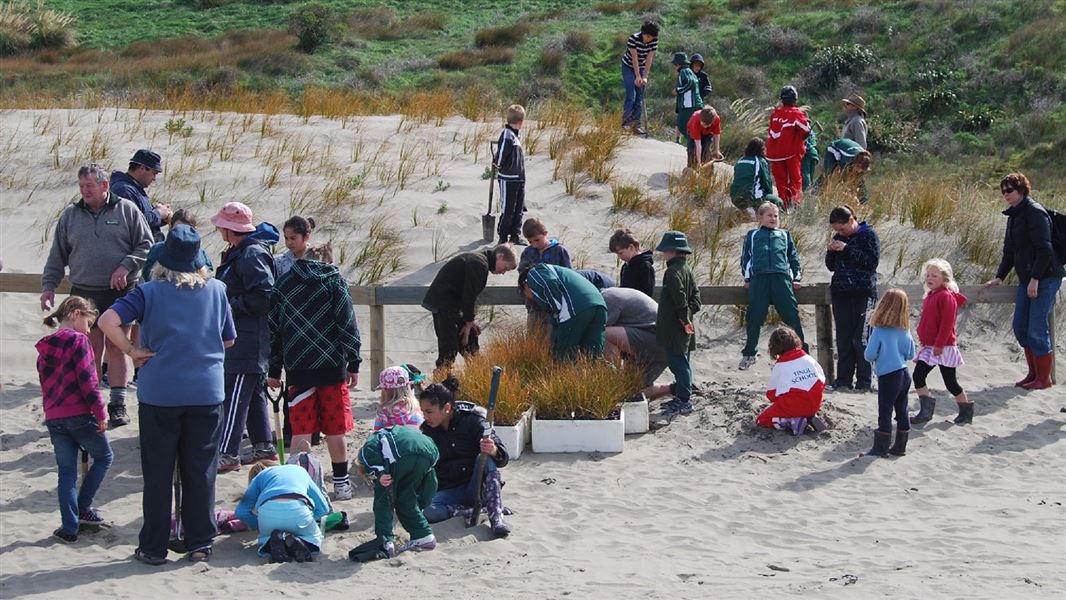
[(862, 159), (621, 239), (183, 216), (523, 277), (67, 307), (650, 28), (756, 147), (782, 340), (1017, 181), (841, 215), (300, 225), (533, 227), (439, 394)]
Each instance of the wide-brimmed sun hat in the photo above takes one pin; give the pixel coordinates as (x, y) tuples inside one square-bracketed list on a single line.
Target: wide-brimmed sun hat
[(181, 250), (680, 58), (235, 217), (857, 101), (674, 240)]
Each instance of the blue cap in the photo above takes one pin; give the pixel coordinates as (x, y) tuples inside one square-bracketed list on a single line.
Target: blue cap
[(147, 158)]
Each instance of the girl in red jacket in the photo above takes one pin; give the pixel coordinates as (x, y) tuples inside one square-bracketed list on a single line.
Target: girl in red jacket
[(796, 386), (936, 336), (786, 143)]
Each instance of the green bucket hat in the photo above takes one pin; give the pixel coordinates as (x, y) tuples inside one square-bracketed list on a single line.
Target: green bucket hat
[(674, 240), (680, 58)]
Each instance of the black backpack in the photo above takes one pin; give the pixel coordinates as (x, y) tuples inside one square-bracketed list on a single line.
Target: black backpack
[(1058, 233)]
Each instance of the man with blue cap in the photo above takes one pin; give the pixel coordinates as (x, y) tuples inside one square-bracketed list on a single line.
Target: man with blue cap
[(132, 185)]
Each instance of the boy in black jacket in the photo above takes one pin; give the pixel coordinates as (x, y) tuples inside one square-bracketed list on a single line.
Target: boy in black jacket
[(511, 173), (452, 295), (638, 272), (701, 75)]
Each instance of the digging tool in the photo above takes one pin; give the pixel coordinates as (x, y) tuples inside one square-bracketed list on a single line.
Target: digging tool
[(279, 435), (177, 538), (488, 220), (479, 466), (644, 113)]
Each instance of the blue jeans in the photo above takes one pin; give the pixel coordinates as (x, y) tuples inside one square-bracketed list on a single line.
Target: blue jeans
[(631, 109), (462, 495), (1030, 316), (682, 370), (69, 436), (892, 389)]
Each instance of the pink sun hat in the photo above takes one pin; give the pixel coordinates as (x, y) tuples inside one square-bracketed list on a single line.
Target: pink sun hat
[(393, 378), (235, 217)]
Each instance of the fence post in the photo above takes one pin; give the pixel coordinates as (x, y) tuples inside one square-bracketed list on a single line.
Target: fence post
[(823, 325), (377, 335)]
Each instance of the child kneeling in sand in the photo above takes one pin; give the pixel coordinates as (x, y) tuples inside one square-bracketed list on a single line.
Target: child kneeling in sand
[(285, 505), (73, 412), (795, 387)]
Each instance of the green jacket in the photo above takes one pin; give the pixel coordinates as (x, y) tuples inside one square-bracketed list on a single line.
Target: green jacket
[(562, 292), (838, 157), (769, 252), (386, 446), (810, 160), (751, 179), (679, 303), (688, 91)]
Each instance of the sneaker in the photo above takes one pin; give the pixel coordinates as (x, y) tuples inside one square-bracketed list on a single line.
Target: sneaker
[(90, 517), (342, 490), (427, 543), (797, 425), (297, 549), (116, 415), (746, 362), (66, 538), (257, 455), (681, 407), (276, 546), (227, 463)]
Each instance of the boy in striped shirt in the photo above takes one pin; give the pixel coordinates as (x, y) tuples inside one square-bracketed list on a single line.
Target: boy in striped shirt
[(636, 68)]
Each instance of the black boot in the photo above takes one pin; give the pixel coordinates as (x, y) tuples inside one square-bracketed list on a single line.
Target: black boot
[(925, 414), (881, 441), (116, 415), (494, 504), (965, 416), (900, 447)]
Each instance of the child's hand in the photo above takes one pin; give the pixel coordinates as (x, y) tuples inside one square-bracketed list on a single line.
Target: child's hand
[(796, 285), (938, 350), (689, 329), (385, 480), (746, 285), (273, 383), (102, 426), (488, 446)]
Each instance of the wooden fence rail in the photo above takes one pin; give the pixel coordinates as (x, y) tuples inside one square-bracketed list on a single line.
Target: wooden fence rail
[(378, 297)]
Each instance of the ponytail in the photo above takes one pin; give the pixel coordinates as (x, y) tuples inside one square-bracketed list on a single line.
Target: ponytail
[(440, 394), (68, 307)]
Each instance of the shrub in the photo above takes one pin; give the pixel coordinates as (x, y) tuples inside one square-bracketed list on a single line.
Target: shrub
[(736, 5), (506, 35), (833, 63), (552, 60), (314, 25), (578, 41), (585, 388), (777, 43), (463, 59), (610, 8), (938, 101), (890, 135), (974, 118)]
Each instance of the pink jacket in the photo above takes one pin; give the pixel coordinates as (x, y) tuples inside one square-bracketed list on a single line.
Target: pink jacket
[(67, 368), (936, 326)]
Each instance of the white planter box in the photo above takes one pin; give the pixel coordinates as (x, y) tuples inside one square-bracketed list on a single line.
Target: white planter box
[(578, 436), (635, 416), (515, 437)]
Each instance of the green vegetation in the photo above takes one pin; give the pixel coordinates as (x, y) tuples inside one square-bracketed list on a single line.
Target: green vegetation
[(977, 84)]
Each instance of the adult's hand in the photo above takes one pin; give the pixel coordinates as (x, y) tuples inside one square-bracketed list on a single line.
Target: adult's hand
[(165, 213), (141, 356), (796, 285), (837, 245), (118, 278), (993, 282), (102, 426), (273, 383), (464, 333), (689, 329), (48, 299), (1034, 289), (746, 285), (352, 379), (488, 446)]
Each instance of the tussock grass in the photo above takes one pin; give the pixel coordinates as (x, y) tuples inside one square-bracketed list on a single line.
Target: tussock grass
[(523, 354), (382, 254), (585, 388), (630, 197), (382, 23), (473, 57), (505, 35)]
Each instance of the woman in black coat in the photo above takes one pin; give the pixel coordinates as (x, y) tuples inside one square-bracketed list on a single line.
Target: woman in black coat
[(852, 255), (1028, 250)]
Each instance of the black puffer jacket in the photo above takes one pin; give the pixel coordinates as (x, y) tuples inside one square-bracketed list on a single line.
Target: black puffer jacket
[(460, 444), (1027, 244), (855, 267)]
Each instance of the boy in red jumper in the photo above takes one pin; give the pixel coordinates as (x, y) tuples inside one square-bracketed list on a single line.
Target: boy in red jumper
[(73, 412), (795, 387), (786, 145)]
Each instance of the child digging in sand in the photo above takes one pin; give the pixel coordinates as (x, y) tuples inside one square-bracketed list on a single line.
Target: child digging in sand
[(795, 388), (889, 348), (74, 412), (936, 334), (284, 504)]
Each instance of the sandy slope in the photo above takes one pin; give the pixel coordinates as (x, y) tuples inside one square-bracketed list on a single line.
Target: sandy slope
[(707, 507)]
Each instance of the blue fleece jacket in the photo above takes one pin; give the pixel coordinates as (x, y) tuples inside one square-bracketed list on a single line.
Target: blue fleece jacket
[(554, 254), (275, 481), (889, 349)]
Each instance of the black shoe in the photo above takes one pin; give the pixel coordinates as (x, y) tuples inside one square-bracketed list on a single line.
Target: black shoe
[(900, 447), (503, 239), (66, 538), (298, 550), (517, 241), (116, 415), (278, 552)]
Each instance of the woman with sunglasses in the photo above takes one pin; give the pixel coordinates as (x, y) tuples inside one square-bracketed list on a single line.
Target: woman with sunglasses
[(1028, 250)]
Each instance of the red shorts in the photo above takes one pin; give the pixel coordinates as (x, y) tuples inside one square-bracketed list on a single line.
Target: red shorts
[(326, 409)]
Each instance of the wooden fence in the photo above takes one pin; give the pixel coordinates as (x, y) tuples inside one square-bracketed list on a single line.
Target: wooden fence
[(378, 297)]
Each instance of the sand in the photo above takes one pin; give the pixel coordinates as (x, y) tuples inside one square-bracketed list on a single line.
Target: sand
[(706, 507)]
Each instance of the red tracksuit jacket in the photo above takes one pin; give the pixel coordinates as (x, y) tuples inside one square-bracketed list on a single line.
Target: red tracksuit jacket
[(788, 133)]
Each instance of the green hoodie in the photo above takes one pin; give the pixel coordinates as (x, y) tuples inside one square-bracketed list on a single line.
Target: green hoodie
[(385, 447)]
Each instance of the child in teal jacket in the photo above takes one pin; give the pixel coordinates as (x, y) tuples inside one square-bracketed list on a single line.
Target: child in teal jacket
[(687, 90), (771, 268)]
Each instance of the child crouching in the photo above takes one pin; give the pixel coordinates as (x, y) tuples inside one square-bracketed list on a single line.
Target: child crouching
[(74, 412), (285, 505), (795, 387)]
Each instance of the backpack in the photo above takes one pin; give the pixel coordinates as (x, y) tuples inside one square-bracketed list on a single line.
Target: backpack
[(312, 465), (1058, 233)]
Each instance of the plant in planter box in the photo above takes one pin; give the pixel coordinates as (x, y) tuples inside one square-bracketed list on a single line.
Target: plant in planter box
[(523, 354), (585, 389)]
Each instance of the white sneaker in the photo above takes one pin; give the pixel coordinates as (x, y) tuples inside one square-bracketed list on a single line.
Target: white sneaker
[(342, 490), (746, 362)]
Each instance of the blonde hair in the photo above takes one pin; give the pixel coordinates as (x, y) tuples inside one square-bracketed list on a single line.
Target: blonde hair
[(765, 207), (893, 310), (402, 398), (515, 114), (944, 267), (259, 467), (191, 279), (68, 307)]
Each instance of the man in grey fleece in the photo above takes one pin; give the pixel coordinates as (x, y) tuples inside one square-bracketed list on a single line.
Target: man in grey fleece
[(103, 240), (631, 316)]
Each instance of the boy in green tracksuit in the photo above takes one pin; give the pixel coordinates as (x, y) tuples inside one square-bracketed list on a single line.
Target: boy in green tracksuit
[(771, 268), (687, 91), (675, 330), (752, 183), (402, 458), (810, 160), (576, 309), (847, 161)]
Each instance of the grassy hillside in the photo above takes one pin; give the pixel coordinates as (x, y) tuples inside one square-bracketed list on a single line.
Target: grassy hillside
[(973, 87)]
